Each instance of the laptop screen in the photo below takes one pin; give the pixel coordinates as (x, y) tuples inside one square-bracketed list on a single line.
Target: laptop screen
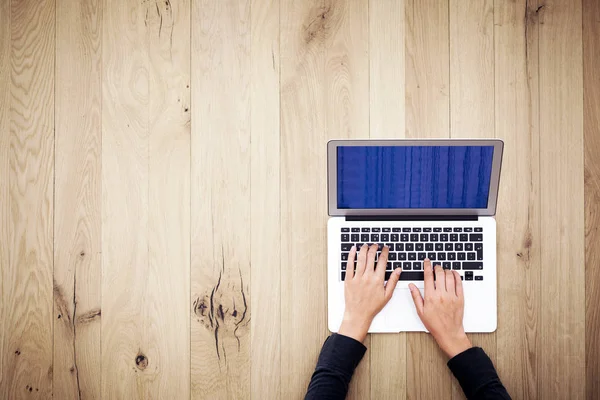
[(388, 177)]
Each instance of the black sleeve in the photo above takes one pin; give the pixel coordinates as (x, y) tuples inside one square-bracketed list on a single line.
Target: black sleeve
[(338, 359), (477, 376)]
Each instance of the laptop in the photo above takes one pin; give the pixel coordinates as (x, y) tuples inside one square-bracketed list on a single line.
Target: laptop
[(431, 199)]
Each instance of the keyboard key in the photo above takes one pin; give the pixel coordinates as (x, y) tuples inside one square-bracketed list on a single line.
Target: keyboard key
[(416, 265), (437, 229), (454, 237), (468, 229), (385, 230), (397, 265), (470, 256), (443, 237), (407, 276), (344, 256), (479, 255), (441, 256), (404, 237), (457, 229), (424, 237), (396, 229), (374, 237), (365, 230), (385, 237), (455, 265), (448, 246), (478, 229), (405, 229), (478, 246), (447, 229), (446, 265), (421, 256), (461, 256), (451, 256), (426, 229), (345, 229), (406, 266), (345, 237), (439, 247), (392, 256), (464, 237), (355, 237), (419, 246), (458, 246), (346, 246), (468, 246), (344, 266), (375, 229), (358, 246), (388, 267), (468, 278), (343, 275), (412, 256), (479, 278), (472, 265), (364, 237), (431, 256), (390, 246), (416, 230), (434, 237), (475, 237), (401, 256), (429, 247), (355, 229), (395, 237), (399, 246), (410, 247), (414, 237)]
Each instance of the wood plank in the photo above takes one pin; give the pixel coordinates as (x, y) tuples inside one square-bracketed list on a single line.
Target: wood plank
[(167, 323), (471, 95), (562, 202), (265, 202), (518, 214), (387, 96), (324, 90), (427, 116), (77, 196), (26, 335), (591, 130), (127, 361), (220, 355)]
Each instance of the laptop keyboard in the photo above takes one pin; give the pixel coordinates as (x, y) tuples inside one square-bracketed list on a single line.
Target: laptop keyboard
[(452, 248)]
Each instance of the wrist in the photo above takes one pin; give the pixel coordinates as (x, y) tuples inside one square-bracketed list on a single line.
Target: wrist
[(355, 327), (454, 344)]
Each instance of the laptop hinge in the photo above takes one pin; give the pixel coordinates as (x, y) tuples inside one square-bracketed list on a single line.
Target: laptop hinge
[(412, 217)]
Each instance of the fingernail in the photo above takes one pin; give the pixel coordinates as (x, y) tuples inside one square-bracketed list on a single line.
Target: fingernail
[(353, 247)]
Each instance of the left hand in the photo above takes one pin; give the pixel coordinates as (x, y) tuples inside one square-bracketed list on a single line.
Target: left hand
[(365, 291)]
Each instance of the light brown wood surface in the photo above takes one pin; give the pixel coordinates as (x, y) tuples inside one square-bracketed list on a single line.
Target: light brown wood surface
[(163, 201)]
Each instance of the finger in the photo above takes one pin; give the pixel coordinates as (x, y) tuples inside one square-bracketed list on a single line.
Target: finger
[(428, 277), (362, 260), (391, 283), (370, 268), (459, 286), (417, 298), (440, 278), (350, 264), (449, 282), (382, 263)]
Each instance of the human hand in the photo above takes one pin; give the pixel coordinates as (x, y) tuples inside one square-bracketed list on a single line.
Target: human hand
[(364, 290), (442, 310)]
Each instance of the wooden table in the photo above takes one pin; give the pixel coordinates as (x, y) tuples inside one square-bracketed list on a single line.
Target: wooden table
[(163, 188)]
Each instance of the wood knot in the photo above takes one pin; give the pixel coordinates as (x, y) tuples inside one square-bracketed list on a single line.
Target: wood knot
[(141, 361), (18, 352), (72, 369), (82, 254), (186, 109)]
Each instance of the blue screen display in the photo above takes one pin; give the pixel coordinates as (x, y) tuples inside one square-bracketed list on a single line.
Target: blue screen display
[(413, 176)]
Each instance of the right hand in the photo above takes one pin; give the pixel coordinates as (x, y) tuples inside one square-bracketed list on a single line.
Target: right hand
[(442, 309)]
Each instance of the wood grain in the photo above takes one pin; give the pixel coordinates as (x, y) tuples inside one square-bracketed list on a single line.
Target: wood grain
[(518, 214), (77, 194), (472, 95), (220, 358), (127, 360), (591, 129), (265, 202), (427, 116), (562, 200), (386, 103), (26, 336)]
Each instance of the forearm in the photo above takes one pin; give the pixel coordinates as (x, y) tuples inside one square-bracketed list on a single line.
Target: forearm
[(338, 359), (477, 376)]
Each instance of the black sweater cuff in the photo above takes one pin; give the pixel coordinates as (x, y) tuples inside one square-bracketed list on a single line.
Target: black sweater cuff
[(341, 353), (475, 372)]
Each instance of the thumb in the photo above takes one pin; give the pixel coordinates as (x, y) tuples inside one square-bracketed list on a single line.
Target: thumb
[(417, 298), (391, 283)]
